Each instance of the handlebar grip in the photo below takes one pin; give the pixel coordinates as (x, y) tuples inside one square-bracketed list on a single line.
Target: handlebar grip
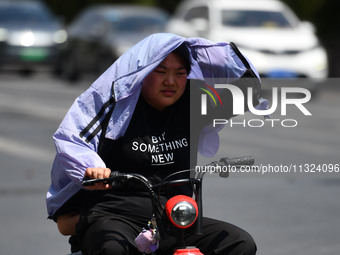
[(241, 161), (90, 182)]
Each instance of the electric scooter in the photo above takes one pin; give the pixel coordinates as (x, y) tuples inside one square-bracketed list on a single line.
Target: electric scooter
[(180, 212)]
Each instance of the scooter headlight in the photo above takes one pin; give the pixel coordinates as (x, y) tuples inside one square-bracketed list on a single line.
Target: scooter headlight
[(182, 211)]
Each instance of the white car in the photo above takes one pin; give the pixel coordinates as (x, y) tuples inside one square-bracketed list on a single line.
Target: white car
[(266, 31)]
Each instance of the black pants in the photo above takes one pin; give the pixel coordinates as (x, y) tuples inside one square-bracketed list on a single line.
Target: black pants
[(112, 235)]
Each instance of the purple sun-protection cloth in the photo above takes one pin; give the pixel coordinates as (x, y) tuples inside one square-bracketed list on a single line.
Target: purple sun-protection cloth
[(210, 60)]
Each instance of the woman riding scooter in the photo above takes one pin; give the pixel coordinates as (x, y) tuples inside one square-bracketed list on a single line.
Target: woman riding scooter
[(143, 115)]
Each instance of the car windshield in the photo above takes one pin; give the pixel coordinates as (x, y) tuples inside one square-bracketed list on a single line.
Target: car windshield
[(138, 24), (23, 15), (251, 18)]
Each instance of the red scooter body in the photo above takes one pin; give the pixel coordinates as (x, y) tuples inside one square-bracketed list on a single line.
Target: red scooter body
[(188, 251), (169, 206)]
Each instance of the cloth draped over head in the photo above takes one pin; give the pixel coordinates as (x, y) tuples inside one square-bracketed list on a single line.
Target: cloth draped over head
[(123, 81)]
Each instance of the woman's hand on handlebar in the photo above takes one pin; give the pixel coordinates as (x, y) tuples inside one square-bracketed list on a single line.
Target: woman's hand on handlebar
[(98, 173)]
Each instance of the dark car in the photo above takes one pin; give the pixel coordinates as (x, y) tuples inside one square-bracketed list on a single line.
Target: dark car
[(103, 33), (30, 36)]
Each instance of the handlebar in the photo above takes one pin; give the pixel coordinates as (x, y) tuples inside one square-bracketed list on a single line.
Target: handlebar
[(114, 176), (236, 162), (122, 177), (241, 161), (197, 181)]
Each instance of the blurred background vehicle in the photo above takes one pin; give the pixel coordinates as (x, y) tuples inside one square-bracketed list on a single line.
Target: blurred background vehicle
[(102, 33), (266, 31), (31, 37)]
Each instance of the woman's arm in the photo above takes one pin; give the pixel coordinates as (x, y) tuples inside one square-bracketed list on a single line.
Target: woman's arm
[(67, 223)]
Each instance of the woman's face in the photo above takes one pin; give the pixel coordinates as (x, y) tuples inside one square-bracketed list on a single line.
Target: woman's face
[(166, 83)]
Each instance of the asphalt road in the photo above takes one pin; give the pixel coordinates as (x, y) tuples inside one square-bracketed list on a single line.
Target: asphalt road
[(287, 213)]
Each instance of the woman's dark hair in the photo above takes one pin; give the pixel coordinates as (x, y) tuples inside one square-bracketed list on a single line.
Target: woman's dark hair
[(183, 52)]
